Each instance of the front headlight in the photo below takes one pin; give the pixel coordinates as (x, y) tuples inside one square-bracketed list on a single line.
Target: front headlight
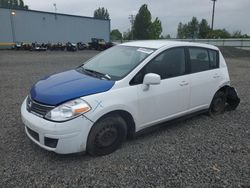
[(68, 110)]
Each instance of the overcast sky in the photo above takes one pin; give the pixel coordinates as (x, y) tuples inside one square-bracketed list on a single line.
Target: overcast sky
[(230, 14)]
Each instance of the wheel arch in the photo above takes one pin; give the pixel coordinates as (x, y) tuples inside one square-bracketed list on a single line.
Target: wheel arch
[(127, 117), (232, 97), (222, 87)]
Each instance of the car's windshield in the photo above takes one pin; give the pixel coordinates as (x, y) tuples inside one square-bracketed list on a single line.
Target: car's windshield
[(116, 62)]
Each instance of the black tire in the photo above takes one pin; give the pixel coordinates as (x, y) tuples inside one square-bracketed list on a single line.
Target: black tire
[(218, 104), (106, 135)]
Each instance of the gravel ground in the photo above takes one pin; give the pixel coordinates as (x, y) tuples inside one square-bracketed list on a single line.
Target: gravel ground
[(198, 152)]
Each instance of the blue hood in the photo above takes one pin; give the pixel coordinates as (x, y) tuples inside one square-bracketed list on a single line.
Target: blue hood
[(61, 87)]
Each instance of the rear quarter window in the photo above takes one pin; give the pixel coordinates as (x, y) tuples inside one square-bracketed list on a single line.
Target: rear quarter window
[(214, 59), (199, 59), (202, 59)]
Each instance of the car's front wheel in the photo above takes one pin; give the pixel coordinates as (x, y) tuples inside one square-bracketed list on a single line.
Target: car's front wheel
[(218, 103), (106, 135)]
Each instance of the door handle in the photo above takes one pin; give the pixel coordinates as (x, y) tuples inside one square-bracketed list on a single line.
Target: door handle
[(216, 76), (183, 83)]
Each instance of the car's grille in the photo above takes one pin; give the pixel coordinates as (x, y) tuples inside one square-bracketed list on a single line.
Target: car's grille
[(34, 134), (37, 108)]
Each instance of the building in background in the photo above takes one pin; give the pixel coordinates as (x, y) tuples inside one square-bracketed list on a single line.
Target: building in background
[(42, 27)]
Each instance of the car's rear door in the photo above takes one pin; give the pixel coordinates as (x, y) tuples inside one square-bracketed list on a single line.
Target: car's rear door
[(204, 76), (171, 97)]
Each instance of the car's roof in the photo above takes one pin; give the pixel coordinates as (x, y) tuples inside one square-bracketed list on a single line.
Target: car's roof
[(157, 44)]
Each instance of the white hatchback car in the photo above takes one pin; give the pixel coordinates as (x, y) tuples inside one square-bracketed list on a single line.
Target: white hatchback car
[(124, 90)]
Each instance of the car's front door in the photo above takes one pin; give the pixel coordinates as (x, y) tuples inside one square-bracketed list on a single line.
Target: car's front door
[(171, 97)]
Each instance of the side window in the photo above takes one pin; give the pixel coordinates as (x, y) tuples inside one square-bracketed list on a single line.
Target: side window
[(214, 59), (168, 64), (199, 59)]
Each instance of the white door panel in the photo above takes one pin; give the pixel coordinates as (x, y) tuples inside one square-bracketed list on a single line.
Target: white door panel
[(203, 87), (164, 100)]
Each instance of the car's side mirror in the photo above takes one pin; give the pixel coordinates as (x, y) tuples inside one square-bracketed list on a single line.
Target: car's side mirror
[(151, 79)]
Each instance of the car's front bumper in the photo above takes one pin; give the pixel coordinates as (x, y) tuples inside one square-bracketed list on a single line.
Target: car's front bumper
[(66, 137)]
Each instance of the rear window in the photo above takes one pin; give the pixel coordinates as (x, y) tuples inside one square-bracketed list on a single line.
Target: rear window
[(202, 59)]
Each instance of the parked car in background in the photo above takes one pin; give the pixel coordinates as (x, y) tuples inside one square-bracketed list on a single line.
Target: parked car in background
[(99, 44), (82, 46), (17, 46), (26, 46), (123, 91), (71, 47), (38, 47), (56, 47)]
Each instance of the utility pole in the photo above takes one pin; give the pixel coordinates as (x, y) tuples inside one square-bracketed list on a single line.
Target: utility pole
[(212, 26), (12, 15), (55, 10), (132, 21)]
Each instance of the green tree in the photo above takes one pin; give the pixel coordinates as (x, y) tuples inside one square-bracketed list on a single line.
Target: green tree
[(193, 28), (181, 31), (189, 30), (127, 35), (155, 29), (116, 34), (238, 34), (101, 13), (142, 23), (204, 29), (144, 28), (219, 33)]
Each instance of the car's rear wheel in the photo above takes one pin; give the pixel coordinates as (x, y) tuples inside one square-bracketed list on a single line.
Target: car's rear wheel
[(218, 103), (107, 135)]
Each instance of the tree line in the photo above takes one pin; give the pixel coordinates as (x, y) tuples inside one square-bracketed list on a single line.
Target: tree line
[(201, 30), (15, 4), (142, 26)]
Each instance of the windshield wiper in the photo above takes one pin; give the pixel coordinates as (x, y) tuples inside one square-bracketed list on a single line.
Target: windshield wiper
[(106, 76), (96, 73), (85, 71)]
